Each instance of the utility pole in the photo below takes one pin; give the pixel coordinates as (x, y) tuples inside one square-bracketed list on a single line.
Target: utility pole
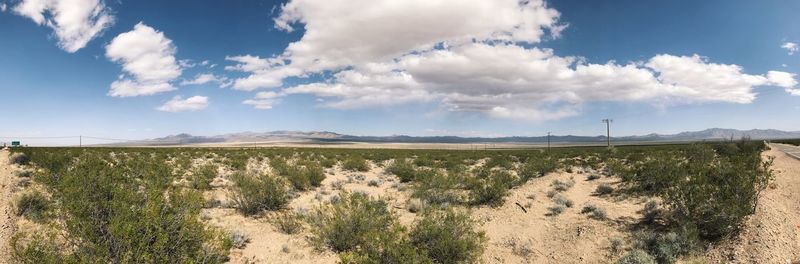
[(608, 130), (548, 141), (80, 141)]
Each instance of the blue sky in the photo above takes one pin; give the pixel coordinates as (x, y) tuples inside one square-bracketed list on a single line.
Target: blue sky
[(397, 67)]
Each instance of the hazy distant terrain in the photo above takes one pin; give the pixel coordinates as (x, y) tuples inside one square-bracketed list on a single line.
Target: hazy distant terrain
[(332, 137)]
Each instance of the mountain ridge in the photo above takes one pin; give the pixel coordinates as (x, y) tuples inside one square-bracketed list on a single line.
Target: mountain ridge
[(327, 136)]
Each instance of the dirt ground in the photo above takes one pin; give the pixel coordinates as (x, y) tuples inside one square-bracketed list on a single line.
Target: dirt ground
[(8, 183)]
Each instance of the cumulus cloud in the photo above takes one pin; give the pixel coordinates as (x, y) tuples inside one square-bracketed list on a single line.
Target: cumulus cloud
[(148, 62), (177, 104), (74, 22), (205, 78), (263, 100), (3, 7), (476, 57), (375, 30), (791, 47)]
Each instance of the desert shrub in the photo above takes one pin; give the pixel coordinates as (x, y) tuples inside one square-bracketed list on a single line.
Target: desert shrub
[(23, 173), (362, 230), (448, 237), (355, 163), (403, 169), (415, 205), (562, 200), (33, 206), (279, 166), (327, 163), (665, 248), (304, 177), (650, 212), (373, 183), (556, 209), (492, 190), (721, 190), (287, 222), (19, 159), (616, 245), (534, 168), (551, 193), (595, 211), (253, 193), (350, 221), (562, 185), (203, 176), (637, 257), (604, 189), (501, 161), (436, 187), (125, 213), (238, 239), (593, 176)]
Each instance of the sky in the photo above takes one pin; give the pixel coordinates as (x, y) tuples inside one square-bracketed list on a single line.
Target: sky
[(143, 69)]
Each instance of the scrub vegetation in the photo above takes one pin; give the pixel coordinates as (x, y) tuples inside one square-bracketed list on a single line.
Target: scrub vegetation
[(144, 205)]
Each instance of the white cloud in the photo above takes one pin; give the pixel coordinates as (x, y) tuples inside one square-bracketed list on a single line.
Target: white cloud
[(510, 81), (205, 78), (377, 30), (148, 61), (791, 47), (263, 100), (74, 22), (473, 56), (3, 7), (177, 104)]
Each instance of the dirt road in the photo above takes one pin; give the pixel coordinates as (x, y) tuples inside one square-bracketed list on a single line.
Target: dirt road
[(7, 217)]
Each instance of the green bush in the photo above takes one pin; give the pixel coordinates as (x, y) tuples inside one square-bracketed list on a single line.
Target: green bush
[(33, 206), (492, 190), (436, 187), (251, 194), (124, 213), (355, 163), (637, 257), (19, 159), (604, 189), (535, 168), (203, 176), (665, 248), (448, 237), (403, 169), (288, 222), (564, 185), (350, 221), (306, 176)]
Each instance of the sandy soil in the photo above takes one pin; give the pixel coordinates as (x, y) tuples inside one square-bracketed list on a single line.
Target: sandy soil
[(570, 237), (8, 183), (772, 234)]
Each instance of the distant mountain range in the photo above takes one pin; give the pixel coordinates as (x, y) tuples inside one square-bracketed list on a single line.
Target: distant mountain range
[(331, 137)]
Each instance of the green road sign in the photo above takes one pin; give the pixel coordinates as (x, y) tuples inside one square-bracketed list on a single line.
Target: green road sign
[(15, 143)]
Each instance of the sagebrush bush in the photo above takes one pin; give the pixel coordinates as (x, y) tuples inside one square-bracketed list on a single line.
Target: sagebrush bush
[(562, 200), (19, 159), (23, 173), (436, 187), (350, 221), (665, 248), (650, 212), (562, 185), (33, 206), (595, 211), (238, 239), (253, 193), (355, 163), (287, 222), (305, 176), (636, 257), (535, 168), (448, 237), (493, 190), (556, 209), (593, 176), (202, 176), (604, 189), (403, 169), (126, 212)]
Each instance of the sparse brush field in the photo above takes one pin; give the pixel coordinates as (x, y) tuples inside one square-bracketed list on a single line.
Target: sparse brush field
[(633, 204)]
